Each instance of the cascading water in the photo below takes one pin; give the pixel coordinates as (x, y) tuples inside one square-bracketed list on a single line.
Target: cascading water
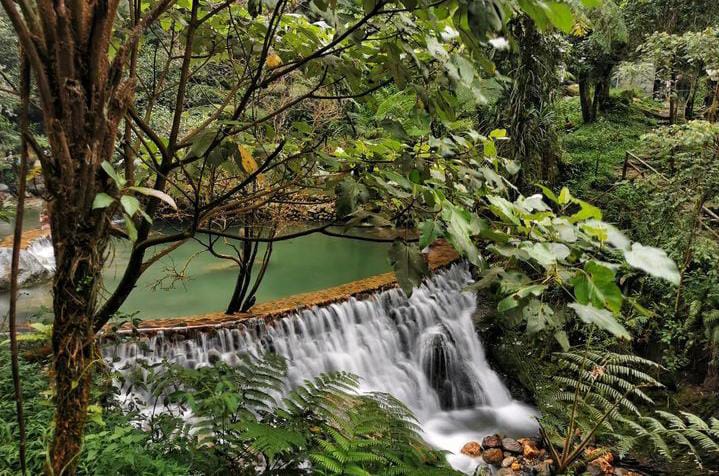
[(424, 350)]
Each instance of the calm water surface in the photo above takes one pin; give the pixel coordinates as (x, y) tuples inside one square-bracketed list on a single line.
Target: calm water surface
[(299, 265)]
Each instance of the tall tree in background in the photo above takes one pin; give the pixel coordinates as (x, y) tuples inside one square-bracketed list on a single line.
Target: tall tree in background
[(526, 105), (598, 44)]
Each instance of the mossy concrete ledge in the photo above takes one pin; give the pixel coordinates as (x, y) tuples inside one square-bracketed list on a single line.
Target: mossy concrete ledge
[(441, 254)]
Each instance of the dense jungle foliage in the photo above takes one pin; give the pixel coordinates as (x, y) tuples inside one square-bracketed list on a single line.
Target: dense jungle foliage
[(568, 150)]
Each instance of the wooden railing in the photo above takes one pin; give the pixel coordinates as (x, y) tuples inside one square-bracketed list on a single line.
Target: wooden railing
[(632, 160)]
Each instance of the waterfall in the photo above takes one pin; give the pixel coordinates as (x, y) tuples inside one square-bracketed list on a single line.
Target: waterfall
[(37, 263), (424, 350)]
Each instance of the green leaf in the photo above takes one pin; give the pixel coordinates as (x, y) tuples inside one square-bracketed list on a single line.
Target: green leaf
[(110, 171), (102, 200), (586, 212), (429, 231), (547, 254), (157, 194), (461, 227), (601, 318), (202, 142), (131, 230), (510, 302), (597, 285), (561, 16), (130, 204), (562, 339), (653, 261), (350, 194), (539, 316), (565, 196), (408, 264)]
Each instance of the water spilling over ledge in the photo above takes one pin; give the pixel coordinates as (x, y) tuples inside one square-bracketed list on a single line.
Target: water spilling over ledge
[(424, 350)]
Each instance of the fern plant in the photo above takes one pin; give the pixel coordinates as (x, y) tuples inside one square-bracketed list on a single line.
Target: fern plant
[(595, 389), (242, 419), (670, 434)]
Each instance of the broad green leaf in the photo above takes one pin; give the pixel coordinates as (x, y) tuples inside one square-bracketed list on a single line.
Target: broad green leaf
[(565, 196), (408, 264), (601, 318), (586, 212), (429, 231), (102, 200), (461, 227), (157, 194), (130, 204), (597, 285), (560, 14), (539, 316), (110, 171), (653, 261), (202, 142), (546, 254)]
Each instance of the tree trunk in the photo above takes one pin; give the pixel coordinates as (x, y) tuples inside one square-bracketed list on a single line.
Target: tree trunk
[(601, 94), (691, 99), (79, 263), (585, 100)]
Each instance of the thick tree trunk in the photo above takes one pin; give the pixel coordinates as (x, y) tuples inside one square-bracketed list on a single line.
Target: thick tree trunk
[(585, 100), (79, 262), (601, 94)]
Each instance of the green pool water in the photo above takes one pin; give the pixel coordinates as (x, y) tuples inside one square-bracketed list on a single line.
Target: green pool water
[(298, 265)]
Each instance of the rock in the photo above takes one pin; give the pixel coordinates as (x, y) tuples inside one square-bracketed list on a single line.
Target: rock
[(504, 472), (529, 448), (472, 449), (507, 462), (516, 466), (600, 466), (511, 445), (625, 472), (491, 441), (493, 456), (543, 469)]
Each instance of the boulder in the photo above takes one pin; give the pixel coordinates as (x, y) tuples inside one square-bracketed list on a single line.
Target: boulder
[(505, 472), (511, 445), (508, 461), (516, 466), (493, 456), (491, 441), (472, 449)]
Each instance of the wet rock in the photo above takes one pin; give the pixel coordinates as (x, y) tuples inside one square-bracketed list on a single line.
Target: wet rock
[(516, 466), (491, 441), (493, 456), (508, 461), (529, 448), (472, 449), (511, 445)]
